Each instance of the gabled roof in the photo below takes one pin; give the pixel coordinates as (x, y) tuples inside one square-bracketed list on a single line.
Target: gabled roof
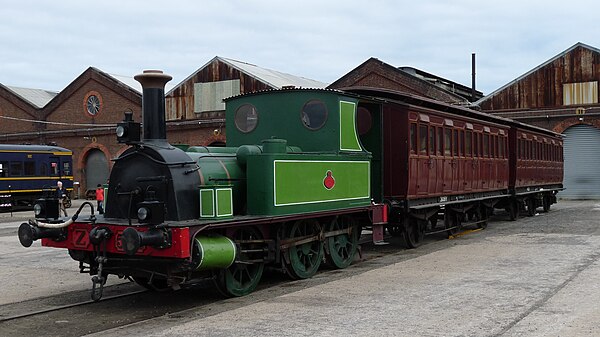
[(403, 81), (573, 47), (93, 73), (36, 97), (272, 78)]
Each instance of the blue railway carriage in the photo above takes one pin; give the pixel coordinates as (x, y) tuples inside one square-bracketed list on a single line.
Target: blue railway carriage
[(27, 171)]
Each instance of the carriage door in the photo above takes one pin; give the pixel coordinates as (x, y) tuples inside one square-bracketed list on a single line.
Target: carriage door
[(96, 169), (448, 160), (469, 161), (424, 162)]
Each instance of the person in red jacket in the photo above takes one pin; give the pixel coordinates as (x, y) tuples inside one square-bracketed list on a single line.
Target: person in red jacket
[(100, 198)]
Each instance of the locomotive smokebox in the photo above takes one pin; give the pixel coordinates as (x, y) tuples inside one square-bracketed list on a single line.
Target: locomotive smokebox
[(153, 105)]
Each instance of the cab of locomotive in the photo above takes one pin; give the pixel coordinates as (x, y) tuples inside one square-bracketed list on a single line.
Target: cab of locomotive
[(300, 150)]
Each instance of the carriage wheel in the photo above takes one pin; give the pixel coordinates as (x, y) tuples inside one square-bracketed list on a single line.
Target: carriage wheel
[(513, 210), (303, 261), (452, 224), (342, 248), (241, 278), (546, 203), (415, 232), (482, 216), (531, 206)]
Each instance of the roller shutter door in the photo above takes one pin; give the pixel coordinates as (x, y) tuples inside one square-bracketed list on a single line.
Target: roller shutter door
[(96, 169), (582, 163)]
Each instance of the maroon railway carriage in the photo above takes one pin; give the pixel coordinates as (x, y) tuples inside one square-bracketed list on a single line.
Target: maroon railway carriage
[(448, 164), (536, 170)]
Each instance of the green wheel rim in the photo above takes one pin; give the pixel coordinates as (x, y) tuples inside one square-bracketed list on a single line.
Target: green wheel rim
[(304, 259), (241, 278), (342, 248)]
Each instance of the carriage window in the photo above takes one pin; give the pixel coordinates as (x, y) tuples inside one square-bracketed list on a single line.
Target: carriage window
[(29, 168), (501, 146), (431, 140), (480, 150), (440, 141), (43, 169), (522, 147), (534, 153), (461, 147), (475, 145), (447, 142), (364, 120), (413, 138), (16, 168), (455, 143), (486, 145), (67, 168), (423, 139), (314, 114), (246, 118), (468, 143), (493, 149), (3, 169)]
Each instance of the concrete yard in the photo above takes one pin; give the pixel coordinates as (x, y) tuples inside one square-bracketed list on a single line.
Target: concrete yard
[(538, 276)]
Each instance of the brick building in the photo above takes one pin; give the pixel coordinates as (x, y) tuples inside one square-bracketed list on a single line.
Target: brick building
[(561, 95), (82, 117)]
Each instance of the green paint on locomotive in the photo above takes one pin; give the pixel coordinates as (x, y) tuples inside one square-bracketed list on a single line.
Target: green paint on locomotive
[(292, 151), (348, 136), (314, 120), (315, 181)]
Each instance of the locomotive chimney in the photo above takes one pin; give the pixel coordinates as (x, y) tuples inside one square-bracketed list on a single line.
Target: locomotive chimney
[(153, 105)]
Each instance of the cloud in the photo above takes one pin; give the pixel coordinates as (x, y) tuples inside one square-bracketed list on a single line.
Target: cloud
[(48, 44)]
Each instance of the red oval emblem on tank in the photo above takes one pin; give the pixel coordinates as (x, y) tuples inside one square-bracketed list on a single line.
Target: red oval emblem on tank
[(329, 180)]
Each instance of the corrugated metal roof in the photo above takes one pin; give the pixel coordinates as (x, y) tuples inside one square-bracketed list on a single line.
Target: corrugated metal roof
[(128, 81), (37, 97), (274, 78), (132, 83)]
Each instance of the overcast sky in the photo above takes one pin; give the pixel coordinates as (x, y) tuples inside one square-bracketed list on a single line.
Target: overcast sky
[(47, 44)]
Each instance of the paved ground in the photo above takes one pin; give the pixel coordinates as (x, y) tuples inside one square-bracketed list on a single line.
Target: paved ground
[(537, 276)]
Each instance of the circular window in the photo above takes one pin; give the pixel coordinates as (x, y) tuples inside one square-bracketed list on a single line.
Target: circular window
[(365, 120), (314, 114), (92, 103), (246, 118)]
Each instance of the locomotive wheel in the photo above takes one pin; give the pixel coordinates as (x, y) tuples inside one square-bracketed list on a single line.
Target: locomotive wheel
[(241, 278), (303, 261), (415, 232), (531, 206), (154, 284), (342, 248)]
